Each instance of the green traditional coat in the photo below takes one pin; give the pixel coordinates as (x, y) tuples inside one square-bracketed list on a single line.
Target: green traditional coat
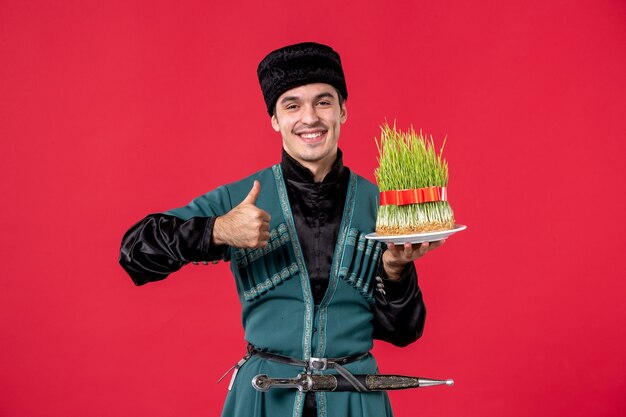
[(278, 311)]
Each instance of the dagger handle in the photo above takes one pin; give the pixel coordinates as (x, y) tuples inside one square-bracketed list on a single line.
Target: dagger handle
[(263, 383)]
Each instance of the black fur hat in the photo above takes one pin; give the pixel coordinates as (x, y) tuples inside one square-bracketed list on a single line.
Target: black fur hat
[(296, 65)]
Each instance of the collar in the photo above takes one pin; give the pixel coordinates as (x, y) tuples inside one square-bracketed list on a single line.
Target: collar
[(294, 171)]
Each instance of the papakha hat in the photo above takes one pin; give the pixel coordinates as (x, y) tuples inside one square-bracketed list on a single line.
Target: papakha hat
[(296, 65)]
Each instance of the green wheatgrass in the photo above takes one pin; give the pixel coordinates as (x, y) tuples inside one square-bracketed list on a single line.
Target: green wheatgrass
[(408, 160)]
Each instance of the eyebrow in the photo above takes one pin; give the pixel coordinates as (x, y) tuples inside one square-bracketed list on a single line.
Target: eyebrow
[(317, 97)]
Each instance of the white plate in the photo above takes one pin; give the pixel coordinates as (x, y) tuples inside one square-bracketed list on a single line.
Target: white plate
[(418, 237)]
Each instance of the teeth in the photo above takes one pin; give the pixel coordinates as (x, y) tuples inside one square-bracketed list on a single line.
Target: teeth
[(311, 135)]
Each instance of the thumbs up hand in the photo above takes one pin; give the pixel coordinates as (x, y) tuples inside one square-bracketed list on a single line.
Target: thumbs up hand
[(245, 226)]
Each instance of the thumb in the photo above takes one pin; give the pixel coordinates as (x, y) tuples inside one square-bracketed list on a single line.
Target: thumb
[(253, 194)]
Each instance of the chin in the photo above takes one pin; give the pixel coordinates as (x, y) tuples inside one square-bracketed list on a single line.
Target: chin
[(314, 156)]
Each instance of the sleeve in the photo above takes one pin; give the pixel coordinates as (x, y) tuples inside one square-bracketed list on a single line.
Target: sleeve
[(163, 243), (399, 310)]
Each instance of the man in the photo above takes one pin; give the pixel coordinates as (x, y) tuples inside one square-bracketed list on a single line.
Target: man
[(313, 290)]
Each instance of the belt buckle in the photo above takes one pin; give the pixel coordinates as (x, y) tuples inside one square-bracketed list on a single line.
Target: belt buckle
[(319, 364)]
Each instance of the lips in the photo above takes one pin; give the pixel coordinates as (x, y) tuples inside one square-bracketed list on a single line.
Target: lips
[(312, 137)]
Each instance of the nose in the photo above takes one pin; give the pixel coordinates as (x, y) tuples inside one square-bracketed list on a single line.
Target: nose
[(309, 115)]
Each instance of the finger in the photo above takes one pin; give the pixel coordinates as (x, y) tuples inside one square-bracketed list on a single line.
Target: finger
[(418, 250), (265, 216), (435, 245), (253, 194), (408, 250), (393, 250)]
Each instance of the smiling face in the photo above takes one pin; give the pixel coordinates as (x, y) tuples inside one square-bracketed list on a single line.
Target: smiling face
[(309, 118)]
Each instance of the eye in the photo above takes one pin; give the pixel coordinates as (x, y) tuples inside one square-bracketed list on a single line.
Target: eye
[(292, 106), (324, 103)]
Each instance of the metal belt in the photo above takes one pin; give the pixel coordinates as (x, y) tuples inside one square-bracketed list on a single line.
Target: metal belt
[(317, 364)]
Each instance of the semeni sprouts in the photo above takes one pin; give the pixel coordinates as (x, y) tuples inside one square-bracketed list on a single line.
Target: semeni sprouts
[(407, 160)]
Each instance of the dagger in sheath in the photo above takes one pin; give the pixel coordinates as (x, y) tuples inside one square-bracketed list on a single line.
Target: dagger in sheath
[(312, 382)]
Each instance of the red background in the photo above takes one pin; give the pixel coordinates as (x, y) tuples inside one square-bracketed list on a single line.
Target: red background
[(112, 110)]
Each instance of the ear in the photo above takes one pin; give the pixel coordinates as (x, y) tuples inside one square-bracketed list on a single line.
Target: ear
[(275, 123), (344, 113)]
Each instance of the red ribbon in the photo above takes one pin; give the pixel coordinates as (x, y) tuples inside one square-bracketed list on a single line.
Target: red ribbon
[(413, 196)]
